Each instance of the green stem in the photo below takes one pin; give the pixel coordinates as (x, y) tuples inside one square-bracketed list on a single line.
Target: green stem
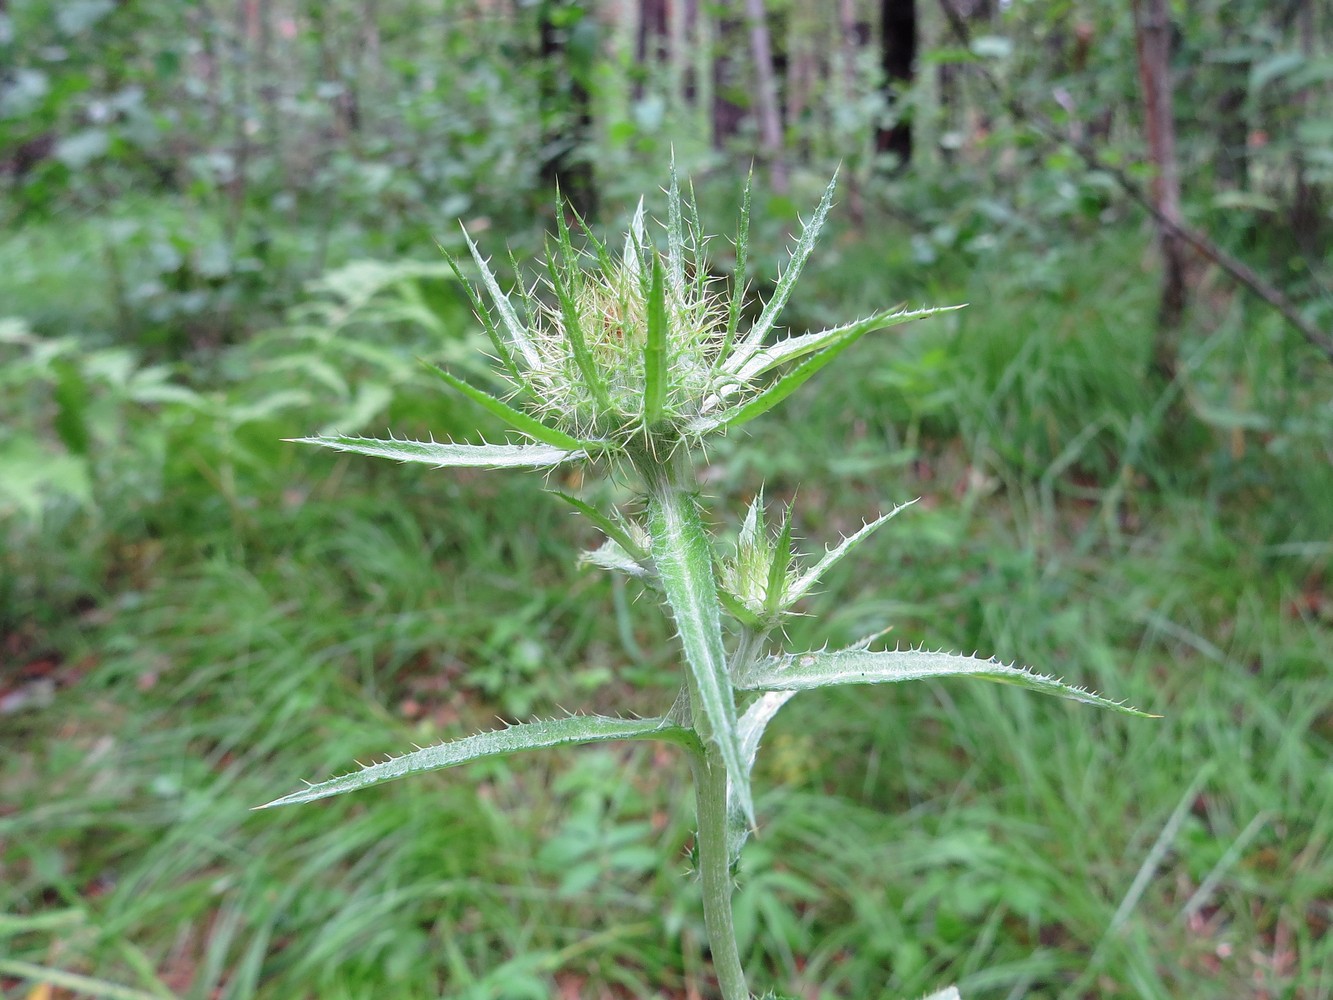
[(710, 794)]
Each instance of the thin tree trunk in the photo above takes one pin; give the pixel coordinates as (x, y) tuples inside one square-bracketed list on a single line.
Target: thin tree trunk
[(850, 40), (770, 122), (1153, 37), (727, 111), (566, 114), (652, 41), (898, 61), (1306, 206)]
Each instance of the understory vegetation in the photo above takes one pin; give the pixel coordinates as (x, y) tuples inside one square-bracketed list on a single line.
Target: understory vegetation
[(193, 612)]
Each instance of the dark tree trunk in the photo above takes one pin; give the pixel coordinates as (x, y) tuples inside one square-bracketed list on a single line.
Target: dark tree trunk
[(650, 44), (689, 85), (898, 61), (729, 92), (1153, 38), (1307, 205), (766, 95), (566, 107)]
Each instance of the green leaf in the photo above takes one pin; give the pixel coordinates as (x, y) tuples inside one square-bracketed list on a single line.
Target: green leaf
[(484, 316), (613, 530), (806, 671), (654, 350), (756, 719), (500, 743), (738, 610), (787, 280), (751, 728), (517, 419), (792, 348), (776, 588), (635, 241), (443, 454), (684, 561), (578, 346), (738, 275), (675, 233), (612, 557), (834, 555), (782, 387), (517, 333)]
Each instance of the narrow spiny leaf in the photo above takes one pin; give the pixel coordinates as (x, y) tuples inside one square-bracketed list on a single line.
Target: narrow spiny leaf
[(675, 234), (517, 419), (573, 327), (776, 589), (806, 671), (635, 241), (834, 555), (751, 728), (500, 743), (502, 352), (684, 561), (787, 280), (738, 275), (608, 525), (791, 348), (655, 349), (443, 454), (782, 387), (517, 333)]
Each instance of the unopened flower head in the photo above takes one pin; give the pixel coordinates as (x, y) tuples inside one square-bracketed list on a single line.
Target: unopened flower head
[(637, 352), (594, 363)]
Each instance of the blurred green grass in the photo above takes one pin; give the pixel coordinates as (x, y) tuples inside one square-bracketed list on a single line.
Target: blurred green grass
[(217, 652)]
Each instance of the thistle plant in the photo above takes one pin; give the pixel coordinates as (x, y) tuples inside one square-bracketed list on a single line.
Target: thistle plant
[(630, 361)]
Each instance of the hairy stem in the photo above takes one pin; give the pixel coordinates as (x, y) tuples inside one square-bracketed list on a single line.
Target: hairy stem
[(710, 793)]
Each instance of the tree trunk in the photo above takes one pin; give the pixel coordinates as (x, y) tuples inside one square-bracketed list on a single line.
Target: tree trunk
[(1153, 40), (898, 62), (566, 108), (728, 112), (851, 38), (1307, 204), (651, 41), (766, 97)]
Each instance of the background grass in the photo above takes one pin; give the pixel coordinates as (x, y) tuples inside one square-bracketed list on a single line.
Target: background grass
[(255, 615)]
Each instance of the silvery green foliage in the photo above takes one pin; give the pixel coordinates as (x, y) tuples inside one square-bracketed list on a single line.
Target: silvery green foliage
[(633, 359)]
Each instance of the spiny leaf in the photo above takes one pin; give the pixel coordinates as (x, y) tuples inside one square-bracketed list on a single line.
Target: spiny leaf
[(578, 346), (782, 387), (635, 240), (608, 525), (516, 331), (812, 576), (751, 727), (500, 743), (655, 349), (611, 556), (483, 314), (791, 348), (806, 671), (775, 590), (675, 234), (787, 280), (517, 419), (738, 610), (684, 561), (442, 454), (738, 275), (756, 720), (697, 243)]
